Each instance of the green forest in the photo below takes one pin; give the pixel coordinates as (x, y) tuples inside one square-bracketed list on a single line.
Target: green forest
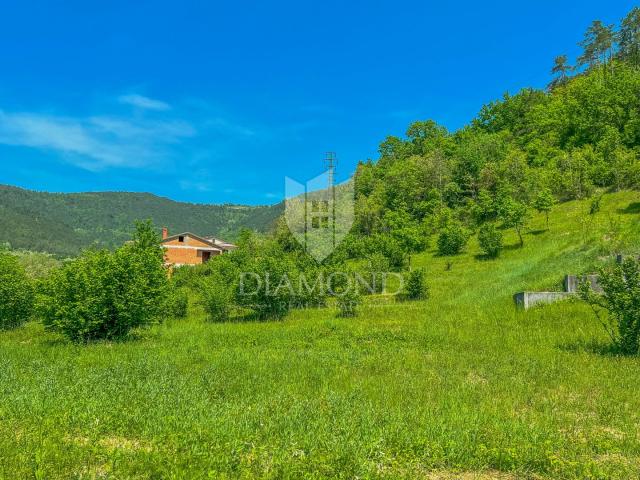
[(64, 224), (522, 153)]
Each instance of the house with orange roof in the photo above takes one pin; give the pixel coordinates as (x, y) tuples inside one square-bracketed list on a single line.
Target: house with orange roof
[(190, 249)]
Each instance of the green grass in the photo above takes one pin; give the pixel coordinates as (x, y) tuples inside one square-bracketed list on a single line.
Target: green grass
[(460, 383)]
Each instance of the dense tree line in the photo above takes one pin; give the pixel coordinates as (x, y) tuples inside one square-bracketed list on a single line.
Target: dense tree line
[(523, 152), (64, 224)]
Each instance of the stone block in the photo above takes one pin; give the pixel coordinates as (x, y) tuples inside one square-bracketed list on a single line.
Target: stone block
[(526, 300)]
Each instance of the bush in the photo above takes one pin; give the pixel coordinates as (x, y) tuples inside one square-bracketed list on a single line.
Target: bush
[(36, 265), (514, 214), (415, 287), (621, 301), (343, 284), (266, 285), (348, 301), (377, 265), (452, 239), (216, 299), (16, 292), (309, 287), (187, 276), (103, 294), (387, 246), (490, 240), (594, 207), (177, 305)]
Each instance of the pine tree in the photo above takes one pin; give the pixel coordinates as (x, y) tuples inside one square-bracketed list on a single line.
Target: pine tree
[(597, 45), (561, 68), (629, 38)]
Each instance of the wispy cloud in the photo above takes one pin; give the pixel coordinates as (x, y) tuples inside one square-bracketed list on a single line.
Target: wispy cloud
[(140, 101), (195, 135), (94, 143), (195, 185), (229, 128)]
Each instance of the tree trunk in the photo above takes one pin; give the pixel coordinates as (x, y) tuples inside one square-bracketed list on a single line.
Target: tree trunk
[(520, 236)]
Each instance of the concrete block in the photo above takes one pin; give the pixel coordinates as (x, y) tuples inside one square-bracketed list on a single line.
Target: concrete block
[(571, 283), (526, 300), (621, 258)]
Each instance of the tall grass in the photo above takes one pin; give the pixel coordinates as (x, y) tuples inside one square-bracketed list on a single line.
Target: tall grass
[(460, 383)]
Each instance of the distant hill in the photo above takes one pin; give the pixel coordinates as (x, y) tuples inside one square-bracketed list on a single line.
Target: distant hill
[(65, 223)]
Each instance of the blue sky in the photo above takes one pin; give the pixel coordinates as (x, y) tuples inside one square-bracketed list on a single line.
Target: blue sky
[(216, 102)]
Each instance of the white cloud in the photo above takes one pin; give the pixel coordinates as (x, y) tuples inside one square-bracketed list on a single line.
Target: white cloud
[(94, 143), (132, 139), (228, 128), (167, 131), (197, 186), (141, 101)]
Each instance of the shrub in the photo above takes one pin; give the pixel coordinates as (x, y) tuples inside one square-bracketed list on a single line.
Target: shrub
[(343, 284), (410, 235), (374, 271), (309, 287), (490, 240), (452, 239), (103, 294), (36, 265), (415, 287), (348, 301), (266, 285), (216, 299), (16, 292), (621, 301), (385, 245), (544, 202), (594, 207), (515, 215), (187, 276), (177, 305)]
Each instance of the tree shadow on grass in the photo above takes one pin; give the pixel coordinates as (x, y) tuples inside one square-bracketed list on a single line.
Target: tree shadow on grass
[(56, 341), (132, 337), (538, 232), (605, 349), (483, 257), (633, 207), (513, 246), (249, 317)]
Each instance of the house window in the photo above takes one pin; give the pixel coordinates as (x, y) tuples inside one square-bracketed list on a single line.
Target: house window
[(181, 239)]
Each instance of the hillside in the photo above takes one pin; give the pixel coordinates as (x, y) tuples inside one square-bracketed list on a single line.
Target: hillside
[(64, 224), (461, 385), (565, 143)]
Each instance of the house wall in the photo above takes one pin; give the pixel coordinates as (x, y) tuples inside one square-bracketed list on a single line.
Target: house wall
[(185, 253), (188, 242)]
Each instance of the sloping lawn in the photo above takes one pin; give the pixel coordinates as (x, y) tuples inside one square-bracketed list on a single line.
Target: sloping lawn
[(459, 386)]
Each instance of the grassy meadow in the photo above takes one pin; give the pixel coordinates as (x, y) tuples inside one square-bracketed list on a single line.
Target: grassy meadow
[(459, 386)]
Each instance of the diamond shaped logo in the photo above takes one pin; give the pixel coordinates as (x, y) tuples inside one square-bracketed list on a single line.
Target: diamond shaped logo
[(318, 213)]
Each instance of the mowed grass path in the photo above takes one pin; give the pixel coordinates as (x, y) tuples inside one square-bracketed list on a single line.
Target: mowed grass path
[(459, 386)]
